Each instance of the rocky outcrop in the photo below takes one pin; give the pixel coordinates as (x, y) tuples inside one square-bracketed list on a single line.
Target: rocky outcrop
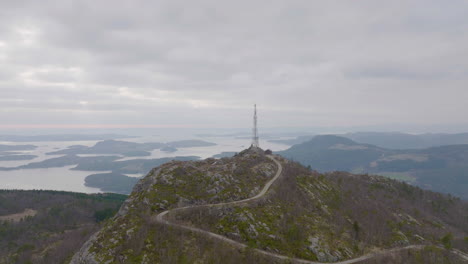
[(177, 184)]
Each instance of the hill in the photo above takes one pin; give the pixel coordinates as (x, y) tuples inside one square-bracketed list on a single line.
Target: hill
[(292, 141), (254, 208), (329, 153), (408, 141), (49, 226), (392, 140), (443, 169)]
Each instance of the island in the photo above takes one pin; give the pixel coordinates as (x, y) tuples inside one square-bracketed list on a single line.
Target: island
[(130, 149)]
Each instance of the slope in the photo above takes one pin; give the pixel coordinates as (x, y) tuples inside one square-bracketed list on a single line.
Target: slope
[(305, 215), (50, 226), (443, 169)]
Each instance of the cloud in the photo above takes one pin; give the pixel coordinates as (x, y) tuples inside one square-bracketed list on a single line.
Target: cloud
[(303, 62)]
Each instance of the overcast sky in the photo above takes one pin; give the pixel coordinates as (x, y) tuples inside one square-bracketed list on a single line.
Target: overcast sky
[(205, 63)]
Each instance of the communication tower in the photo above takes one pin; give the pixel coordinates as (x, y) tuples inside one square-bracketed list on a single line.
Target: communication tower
[(255, 131)]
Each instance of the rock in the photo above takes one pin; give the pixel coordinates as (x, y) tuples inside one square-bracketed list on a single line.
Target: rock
[(322, 251), (252, 230), (235, 236)]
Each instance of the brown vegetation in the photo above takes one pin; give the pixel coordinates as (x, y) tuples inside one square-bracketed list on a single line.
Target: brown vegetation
[(53, 228), (324, 217), (19, 216), (328, 217)]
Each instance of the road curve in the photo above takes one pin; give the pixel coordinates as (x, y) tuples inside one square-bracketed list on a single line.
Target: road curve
[(160, 219)]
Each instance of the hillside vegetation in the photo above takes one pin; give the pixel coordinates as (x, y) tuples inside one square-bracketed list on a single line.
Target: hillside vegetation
[(132, 237), (442, 169), (111, 182), (337, 216), (306, 214), (50, 226)]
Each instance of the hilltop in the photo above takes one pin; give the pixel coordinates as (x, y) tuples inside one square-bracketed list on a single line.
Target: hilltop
[(304, 215)]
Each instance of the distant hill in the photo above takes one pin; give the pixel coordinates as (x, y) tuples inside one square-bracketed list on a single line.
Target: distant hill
[(392, 140), (333, 153), (408, 141), (292, 141), (443, 169), (305, 215)]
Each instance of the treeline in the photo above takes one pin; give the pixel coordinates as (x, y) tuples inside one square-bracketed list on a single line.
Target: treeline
[(64, 221)]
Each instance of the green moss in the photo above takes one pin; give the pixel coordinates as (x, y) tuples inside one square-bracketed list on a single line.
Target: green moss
[(447, 240)]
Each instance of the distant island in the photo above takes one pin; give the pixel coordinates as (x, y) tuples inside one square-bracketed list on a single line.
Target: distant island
[(7, 149), (61, 137), (135, 166), (16, 157), (112, 182), (130, 149), (14, 152), (100, 163), (191, 143), (104, 156), (168, 149)]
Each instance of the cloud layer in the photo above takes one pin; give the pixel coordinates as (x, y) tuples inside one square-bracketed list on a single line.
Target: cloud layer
[(204, 63)]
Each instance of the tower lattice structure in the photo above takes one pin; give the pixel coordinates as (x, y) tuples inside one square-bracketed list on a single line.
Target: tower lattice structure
[(254, 130)]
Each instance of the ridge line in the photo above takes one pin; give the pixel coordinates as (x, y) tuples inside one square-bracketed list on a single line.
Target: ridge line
[(160, 219)]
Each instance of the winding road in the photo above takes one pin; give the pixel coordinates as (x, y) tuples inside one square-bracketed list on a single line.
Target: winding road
[(160, 218)]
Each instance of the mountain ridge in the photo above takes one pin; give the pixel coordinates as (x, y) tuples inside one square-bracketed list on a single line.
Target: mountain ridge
[(391, 140), (132, 237), (442, 168)]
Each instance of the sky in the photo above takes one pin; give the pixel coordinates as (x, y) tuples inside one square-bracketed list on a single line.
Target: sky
[(395, 65)]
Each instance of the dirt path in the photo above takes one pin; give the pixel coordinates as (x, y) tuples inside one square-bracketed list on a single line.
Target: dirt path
[(17, 217), (160, 218), (460, 254)]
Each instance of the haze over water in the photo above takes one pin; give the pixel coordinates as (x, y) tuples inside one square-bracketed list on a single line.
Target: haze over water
[(65, 179)]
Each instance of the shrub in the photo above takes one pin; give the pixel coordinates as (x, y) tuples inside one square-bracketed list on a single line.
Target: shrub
[(447, 240), (104, 214)]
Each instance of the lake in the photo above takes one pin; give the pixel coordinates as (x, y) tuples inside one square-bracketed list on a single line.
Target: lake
[(64, 179)]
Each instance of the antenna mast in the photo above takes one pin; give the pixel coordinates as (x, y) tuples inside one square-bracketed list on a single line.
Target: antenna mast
[(255, 131)]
